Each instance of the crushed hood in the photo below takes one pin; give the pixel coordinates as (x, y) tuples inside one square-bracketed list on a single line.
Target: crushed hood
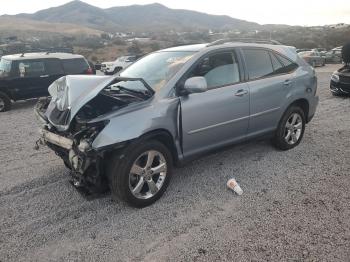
[(73, 92)]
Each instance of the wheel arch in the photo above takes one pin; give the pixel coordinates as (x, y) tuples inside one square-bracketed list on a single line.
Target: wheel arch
[(5, 91), (303, 104), (166, 138)]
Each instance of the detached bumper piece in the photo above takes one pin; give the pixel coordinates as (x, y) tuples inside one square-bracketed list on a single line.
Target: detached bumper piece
[(57, 140)]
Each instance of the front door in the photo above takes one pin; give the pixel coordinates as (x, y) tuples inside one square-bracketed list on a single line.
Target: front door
[(31, 79), (220, 115)]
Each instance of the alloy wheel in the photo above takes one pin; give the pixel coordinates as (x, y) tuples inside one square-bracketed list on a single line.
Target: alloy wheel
[(293, 129), (147, 174)]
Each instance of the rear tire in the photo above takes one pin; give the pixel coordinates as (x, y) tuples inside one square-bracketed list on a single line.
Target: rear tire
[(5, 102), (290, 129), (133, 180)]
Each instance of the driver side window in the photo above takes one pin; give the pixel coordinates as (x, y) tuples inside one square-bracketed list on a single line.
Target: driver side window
[(218, 69)]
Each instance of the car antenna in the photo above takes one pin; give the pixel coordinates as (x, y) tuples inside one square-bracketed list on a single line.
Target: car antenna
[(22, 55)]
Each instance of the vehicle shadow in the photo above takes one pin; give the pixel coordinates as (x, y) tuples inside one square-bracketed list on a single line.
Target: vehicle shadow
[(222, 163), (25, 104)]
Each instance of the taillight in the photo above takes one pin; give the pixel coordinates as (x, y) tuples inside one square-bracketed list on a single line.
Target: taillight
[(89, 71)]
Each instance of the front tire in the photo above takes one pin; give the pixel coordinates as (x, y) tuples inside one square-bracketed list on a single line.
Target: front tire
[(141, 173), (290, 129), (5, 102)]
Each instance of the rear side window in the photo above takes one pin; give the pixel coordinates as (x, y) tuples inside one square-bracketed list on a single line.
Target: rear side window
[(219, 69), (258, 63), (75, 66), (31, 68), (54, 67)]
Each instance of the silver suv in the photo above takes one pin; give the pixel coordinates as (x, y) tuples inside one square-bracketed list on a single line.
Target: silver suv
[(126, 132)]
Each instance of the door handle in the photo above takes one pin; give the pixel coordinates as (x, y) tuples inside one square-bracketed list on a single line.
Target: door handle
[(241, 92), (287, 82), (42, 76)]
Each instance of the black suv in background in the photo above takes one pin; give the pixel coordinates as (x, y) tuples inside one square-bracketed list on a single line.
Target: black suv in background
[(340, 80), (29, 75)]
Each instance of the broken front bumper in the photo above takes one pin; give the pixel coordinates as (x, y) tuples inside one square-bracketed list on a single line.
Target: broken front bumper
[(65, 148), (52, 138)]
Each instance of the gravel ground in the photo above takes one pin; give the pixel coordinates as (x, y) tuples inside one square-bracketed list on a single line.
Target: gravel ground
[(295, 205)]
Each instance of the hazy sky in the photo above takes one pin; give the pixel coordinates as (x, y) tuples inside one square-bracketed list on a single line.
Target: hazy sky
[(293, 12)]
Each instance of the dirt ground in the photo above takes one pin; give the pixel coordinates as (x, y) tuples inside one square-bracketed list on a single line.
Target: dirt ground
[(295, 205)]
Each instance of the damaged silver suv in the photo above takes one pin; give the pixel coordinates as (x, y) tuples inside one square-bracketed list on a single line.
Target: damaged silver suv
[(126, 132)]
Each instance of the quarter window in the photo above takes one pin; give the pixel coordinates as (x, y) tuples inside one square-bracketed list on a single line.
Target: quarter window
[(288, 66), (258, 63), (277, 65), (218, 69)]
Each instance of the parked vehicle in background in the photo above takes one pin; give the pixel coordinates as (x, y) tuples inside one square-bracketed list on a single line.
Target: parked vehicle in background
[(111, 68), (320, 49), (322, 52), (92, 66), (29, 75), (172, 106), (303, 50), (334, 56), (340, 79), (98, 66), (314, 58)]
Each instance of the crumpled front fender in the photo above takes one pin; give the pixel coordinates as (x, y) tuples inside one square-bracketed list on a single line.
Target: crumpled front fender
[(132, 125)]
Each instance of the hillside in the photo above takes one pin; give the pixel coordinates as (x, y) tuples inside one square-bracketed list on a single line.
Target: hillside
[(138, 18), (10, 24)]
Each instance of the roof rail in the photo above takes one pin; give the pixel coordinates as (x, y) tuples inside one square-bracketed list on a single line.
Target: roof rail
[(244, 40)]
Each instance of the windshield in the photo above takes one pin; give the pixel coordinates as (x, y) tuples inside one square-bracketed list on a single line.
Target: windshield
[(5, 67), (157, 68)]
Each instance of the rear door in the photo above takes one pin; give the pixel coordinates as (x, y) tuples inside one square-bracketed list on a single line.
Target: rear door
[(220, 115), (270, 80)]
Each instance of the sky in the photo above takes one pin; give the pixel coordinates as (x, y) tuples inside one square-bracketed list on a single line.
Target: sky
[(292, 12)]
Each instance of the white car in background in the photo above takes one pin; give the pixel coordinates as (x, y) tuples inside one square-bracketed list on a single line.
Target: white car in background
[(111, 68)]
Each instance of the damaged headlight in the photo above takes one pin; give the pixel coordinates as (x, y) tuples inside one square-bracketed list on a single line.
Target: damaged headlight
[(84, 145), (335, 78), (88, 135)]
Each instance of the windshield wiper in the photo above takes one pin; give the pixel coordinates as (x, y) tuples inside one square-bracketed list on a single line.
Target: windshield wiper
[(145, 94)]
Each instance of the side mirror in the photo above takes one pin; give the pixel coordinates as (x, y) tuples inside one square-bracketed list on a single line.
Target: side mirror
[(197, 84)]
